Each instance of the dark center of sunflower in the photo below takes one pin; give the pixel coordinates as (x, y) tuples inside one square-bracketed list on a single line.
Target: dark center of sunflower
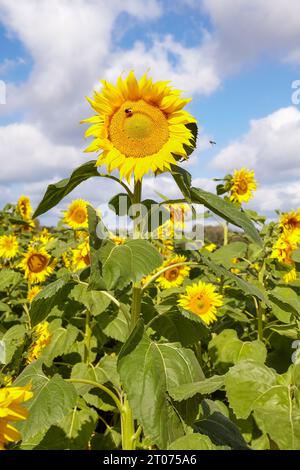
[(242, 187), (37, 263), (172, 274), (79, 216)]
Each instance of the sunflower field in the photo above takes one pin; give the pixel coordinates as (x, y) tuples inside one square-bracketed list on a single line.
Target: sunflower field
[(111, 341)]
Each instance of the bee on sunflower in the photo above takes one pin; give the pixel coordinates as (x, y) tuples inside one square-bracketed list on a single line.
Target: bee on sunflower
[(140, 126), (37, 265), (202, 300)]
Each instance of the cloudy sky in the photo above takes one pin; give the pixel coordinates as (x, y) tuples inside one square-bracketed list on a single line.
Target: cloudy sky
[(236, 58)]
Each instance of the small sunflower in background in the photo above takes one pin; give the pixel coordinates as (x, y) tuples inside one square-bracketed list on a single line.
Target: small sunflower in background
[(9, 246), (117, 240), (140, 126), (33, 292), (76, 215), (41, 338), (11, 410), (174, 276), (287, 243), (37, 265), (24, 208), (243, 185), (290, 222), (202, 299), (81, 256)]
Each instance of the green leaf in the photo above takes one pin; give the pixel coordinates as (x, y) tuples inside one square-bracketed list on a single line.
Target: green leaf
[(253, 387), (51, 295), (52, 400), (62, 340), (227, 211), (12, 339), (96, 302), (249, 289), (127, 263), (286, 299), (296, 256), (113, 323), (8, 278), (226, 347), (225, 254), (96, 281), (192, 442), (56, 192), (183, 180), (2, 352), (204, 387), (219, 428), (148, 370)]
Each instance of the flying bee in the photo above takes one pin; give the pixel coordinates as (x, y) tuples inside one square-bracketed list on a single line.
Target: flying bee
[(128, 112), (212, 142)]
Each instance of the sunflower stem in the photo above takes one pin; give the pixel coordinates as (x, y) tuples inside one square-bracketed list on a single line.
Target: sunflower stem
[(225, 226), (87, 337)]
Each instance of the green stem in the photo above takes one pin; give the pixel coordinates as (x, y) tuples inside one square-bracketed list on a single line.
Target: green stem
[(260, 326), (136, 306), (87, 337), (127, 427), (225, 226)]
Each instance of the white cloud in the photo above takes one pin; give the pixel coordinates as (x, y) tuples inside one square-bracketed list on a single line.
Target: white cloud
[(270, 147)]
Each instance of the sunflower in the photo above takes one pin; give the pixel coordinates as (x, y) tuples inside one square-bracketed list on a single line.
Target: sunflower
[(211, 247), (285, 246), (290, 276), (81, 256), (235, 270), (11, 410), (139, 127), (24, 208), (8, 246), (33, 292), (36, 265), (117, 240), (174, 276), (290, 221), (242, 185), (76, 216), (42, 338), (202, 299)]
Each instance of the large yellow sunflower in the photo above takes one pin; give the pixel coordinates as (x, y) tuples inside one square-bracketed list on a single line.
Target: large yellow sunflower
[(11, 410), (24, 207), (76, 216), (139, 127), (36, 265), (202, 299), (174, 276), (284, 247), (8, 246), (42, 338), (290, 221), (243, 184)]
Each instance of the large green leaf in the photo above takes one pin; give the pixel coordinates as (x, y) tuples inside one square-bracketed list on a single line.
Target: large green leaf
[(253, 387), (61, 342), (56, 192), (204, 387), (192, 442), (225, 254), (51, 295), (227, 211), (52, 400), (122, 264), (113, 323), (96, 281), (148, 370), (8, 278), (286, 299), (227, 348), (96, 302), (12, 339)]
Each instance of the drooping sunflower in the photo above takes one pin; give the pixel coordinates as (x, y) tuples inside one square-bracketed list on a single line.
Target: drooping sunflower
[(8, 246), (174, 276), (290, 221), (140, 126), (37, 265), (24, 208), (76, 216), (42, 338), (243, 184), (202, 299), (11, 410), (81, 256), (33, 291)]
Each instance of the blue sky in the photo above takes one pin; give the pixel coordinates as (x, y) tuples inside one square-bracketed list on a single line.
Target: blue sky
[(238, 69)]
